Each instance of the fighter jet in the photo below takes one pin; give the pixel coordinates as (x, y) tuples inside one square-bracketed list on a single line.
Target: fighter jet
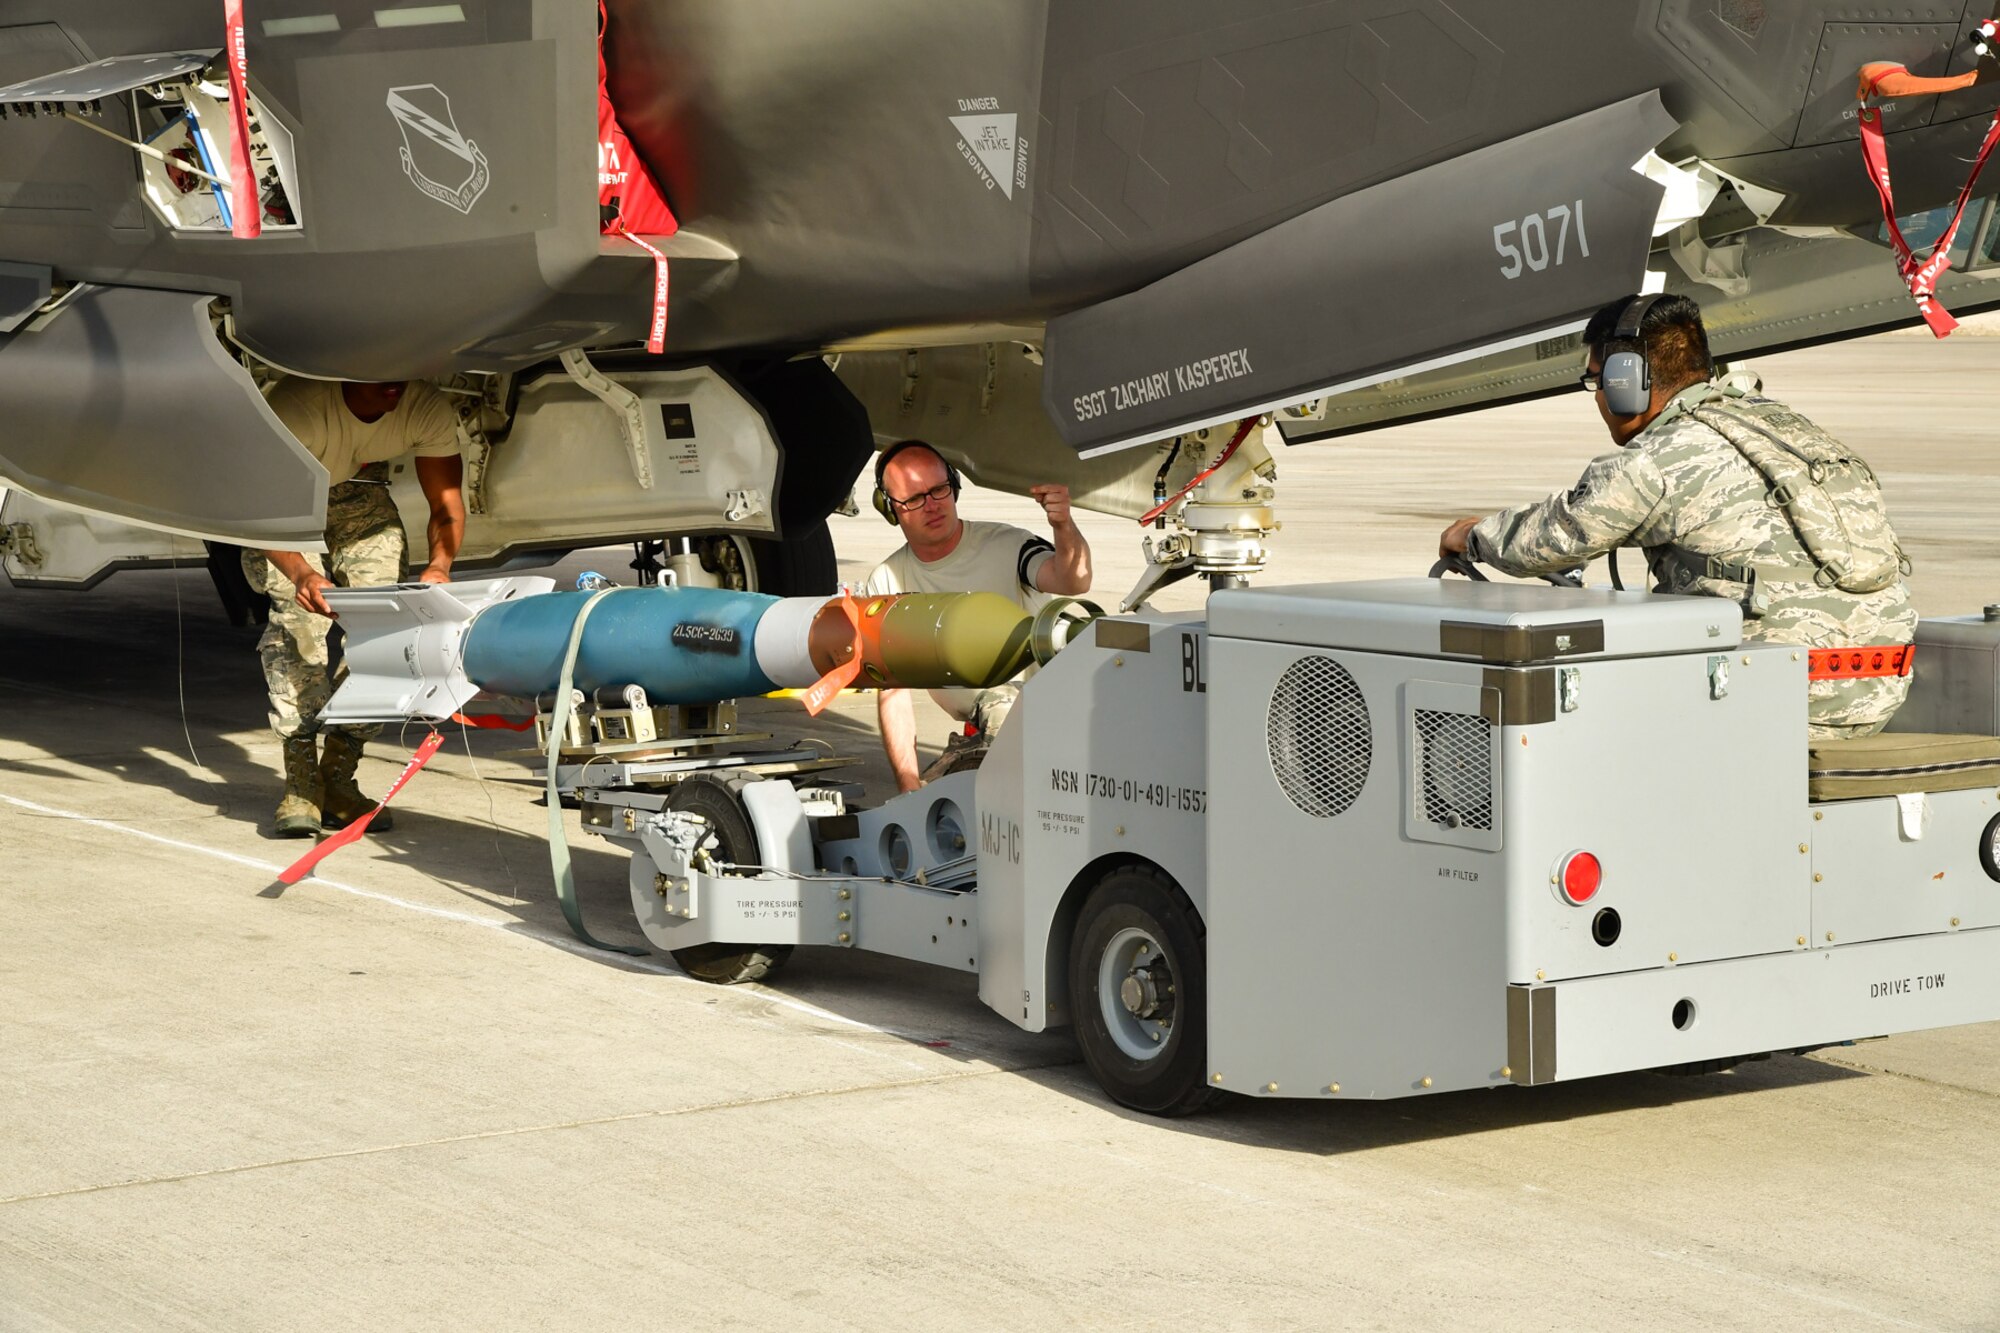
[(1058, 238)]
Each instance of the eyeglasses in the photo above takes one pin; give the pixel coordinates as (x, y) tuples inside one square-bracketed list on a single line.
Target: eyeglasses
[(1591, 380), (916, 502)]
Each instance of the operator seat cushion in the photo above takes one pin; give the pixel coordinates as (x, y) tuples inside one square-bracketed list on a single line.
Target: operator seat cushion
[(1891, 763)]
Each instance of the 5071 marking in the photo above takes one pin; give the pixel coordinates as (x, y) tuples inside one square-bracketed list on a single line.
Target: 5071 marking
[(1533, 251)]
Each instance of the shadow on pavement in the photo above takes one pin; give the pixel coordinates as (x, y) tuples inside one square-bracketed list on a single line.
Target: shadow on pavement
[(1331, 1127), (125, 683)]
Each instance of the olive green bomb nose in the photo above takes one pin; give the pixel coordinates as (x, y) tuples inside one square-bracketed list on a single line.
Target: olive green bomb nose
[(931, 641)]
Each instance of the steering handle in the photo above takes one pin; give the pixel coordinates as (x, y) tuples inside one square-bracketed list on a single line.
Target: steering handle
[(1463, 564), (1458, 564)]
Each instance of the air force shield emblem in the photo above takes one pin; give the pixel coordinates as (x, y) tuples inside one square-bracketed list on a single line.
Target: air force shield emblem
[(433, 148)]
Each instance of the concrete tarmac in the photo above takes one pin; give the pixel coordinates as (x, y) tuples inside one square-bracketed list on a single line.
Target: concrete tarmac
[(400, 1096)]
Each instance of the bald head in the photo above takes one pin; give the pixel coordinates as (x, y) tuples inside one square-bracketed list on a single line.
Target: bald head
[(919, 487)]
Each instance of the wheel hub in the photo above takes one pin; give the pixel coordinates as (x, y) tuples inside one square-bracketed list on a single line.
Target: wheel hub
[(1148, 990), (1136, 994)]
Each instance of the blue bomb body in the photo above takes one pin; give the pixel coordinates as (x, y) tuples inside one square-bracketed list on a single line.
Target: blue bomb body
[(681, 645)]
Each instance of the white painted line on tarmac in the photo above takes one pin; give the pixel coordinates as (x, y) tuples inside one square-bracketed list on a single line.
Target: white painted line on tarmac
[(514, 928), (272, 870)]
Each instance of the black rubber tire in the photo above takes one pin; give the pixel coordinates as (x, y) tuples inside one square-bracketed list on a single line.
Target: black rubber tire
[(243, 604), (1720, 1065), (822, 430), (1175, 1081), (801, 565), (826, 442), (722, 963)]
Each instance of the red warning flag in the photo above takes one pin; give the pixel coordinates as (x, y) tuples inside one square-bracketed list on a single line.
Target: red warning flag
[(302, 867), (656, 329), (1883, 78), (629, 201), (624, 185), (833, 682), (246, 211)]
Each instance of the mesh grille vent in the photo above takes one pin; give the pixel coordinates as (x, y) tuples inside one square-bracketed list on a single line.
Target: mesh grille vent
[(1319, 736), (1455, 763)]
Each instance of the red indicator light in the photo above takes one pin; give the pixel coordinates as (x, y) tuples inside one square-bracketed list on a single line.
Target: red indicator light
[(1580, 877)]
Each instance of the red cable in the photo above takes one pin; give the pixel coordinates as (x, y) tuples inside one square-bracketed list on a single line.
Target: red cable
[(1242, 433)]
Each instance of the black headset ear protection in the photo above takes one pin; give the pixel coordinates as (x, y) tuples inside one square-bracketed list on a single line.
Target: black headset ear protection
[(1627, 377), (882, 505)]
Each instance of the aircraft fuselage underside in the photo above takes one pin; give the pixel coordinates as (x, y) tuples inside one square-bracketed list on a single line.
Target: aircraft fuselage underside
[(1199, 210)]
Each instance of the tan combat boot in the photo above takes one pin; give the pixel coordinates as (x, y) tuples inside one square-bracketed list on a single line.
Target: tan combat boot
[(298, 812), (344, 802)]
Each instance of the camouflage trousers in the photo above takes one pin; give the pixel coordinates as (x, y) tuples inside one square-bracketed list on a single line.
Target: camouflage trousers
[(961, 751), (364, 547)]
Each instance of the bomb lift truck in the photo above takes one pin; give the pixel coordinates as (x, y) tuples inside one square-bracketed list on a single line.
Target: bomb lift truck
[(1364, 840)]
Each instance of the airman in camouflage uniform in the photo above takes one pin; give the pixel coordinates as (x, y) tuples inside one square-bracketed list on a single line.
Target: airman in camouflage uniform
[(365, 547), (1678, 488), (354, 429)]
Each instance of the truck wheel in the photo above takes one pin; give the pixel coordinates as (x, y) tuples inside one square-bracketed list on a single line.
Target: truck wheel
[(732, 839), (1139, 988)]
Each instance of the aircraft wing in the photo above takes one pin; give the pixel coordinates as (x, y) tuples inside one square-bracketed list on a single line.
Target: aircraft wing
[(1515, 243)]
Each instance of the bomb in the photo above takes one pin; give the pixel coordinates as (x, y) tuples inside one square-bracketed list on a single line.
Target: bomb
[(423, 650)]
